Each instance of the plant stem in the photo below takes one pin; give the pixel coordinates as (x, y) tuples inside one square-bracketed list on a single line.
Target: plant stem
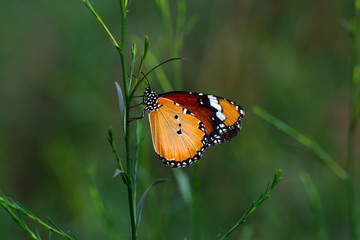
[(130, 186), (93, 10), (353, 121), (7, 204), (255, 204), (196, 202), (122, 51)]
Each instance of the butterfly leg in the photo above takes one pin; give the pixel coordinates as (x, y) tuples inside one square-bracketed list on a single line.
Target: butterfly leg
[(137, 118), (136, 105)]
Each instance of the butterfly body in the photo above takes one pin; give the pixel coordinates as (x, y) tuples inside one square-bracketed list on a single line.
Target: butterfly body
[(184, 124)]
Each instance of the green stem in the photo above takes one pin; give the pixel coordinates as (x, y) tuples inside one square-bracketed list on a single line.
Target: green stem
[(196, 202), (305, 141), (350, 187), (7, 205), (93, 10), (130, 186), (256, 203), (353, 121), (122, 49)]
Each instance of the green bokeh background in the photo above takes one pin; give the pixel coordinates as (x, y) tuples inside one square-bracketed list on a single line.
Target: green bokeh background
[(57, 99)]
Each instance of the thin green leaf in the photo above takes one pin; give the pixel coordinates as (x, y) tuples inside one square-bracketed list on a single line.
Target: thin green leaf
[(195, 205), (99, 204), (123, 175), (110, 139), (121, 107), (73, 237), (180, 23), (138, 141), (37, 234), (21, 210), (93, 10), (254, 205), (143, 57), (132, 64), (10, 212), (24, 225), (116, 173), (315, 204), (142, 199), (183, 181), (52, 223), (50, 235), (303, 140)]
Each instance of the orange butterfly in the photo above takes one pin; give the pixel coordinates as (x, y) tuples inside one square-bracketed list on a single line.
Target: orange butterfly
[(184, 124)]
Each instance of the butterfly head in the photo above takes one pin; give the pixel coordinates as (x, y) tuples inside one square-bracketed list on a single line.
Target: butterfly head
[(150, 100)]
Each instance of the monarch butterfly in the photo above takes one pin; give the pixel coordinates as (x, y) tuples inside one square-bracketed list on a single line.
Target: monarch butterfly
[(184, 124)]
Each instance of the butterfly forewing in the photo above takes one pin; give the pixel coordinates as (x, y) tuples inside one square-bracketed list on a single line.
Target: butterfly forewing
[(178, 136), (221, 117)]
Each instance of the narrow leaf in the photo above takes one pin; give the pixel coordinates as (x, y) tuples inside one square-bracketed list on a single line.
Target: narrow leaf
[(138, 141), (132, 64), (183, 182), (121, 107), (255, 204), (142, 199), (50, 235), (53, 224), (143, 57), (315, 204), (303, 140), (116, 173), (37, 234), (123, 175), (99, 204), (93, 10), (110, 138)]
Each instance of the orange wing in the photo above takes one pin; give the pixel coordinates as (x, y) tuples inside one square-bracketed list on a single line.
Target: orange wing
[(178, 136), (221, 117)]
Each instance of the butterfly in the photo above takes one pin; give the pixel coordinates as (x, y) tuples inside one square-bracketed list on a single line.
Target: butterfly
[(184, 124)]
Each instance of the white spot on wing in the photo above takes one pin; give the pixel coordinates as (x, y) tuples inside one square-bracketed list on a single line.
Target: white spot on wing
[(215, 104), (211, 97), (221, 116)]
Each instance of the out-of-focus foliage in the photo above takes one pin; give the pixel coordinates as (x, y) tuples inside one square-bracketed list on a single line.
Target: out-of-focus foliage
[(57, 99)]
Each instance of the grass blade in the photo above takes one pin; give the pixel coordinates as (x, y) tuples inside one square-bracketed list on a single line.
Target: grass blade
[(121, 107), (315, 204), (143, 57), (99, 204), (303, 140), (142, 199), (89, 5), (254, 205), (8, 205), (132, 64)]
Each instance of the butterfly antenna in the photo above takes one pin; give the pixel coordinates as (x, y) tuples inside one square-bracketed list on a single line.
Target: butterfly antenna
[(147, 82), (158, 65)]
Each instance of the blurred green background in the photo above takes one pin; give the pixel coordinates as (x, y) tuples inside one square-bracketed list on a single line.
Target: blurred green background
[(57, 99)]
